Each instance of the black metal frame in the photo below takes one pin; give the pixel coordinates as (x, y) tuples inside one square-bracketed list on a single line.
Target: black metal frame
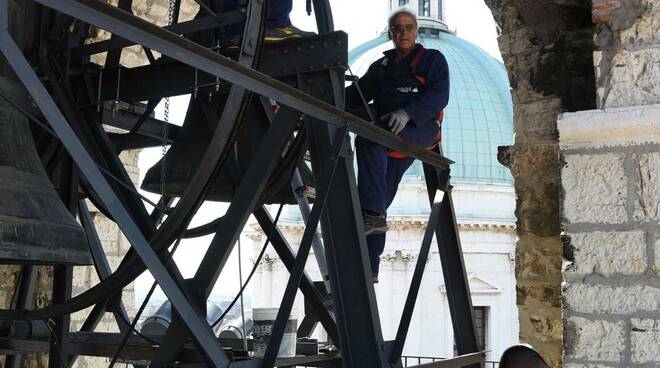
[(313, 87)]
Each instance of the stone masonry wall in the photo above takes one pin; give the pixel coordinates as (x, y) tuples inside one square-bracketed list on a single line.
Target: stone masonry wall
[(627, 41), (611, 220), (546, 46)]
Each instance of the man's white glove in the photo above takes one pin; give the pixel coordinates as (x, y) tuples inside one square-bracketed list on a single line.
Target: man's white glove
[(396, 120)]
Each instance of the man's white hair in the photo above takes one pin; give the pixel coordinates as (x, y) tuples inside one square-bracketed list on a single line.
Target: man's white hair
[(390, 21)]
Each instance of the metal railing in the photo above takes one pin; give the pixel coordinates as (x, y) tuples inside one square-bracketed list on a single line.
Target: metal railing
[(409, 361)]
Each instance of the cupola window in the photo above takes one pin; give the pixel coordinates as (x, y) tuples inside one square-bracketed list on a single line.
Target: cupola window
[(424, 8)]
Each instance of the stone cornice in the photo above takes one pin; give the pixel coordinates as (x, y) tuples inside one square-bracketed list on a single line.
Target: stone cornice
[(404, 223), (634, 125)]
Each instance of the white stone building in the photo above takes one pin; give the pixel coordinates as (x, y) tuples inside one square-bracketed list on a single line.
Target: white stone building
[(477, 120)]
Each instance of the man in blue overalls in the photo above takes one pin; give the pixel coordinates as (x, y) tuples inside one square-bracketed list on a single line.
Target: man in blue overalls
[(410, 88)]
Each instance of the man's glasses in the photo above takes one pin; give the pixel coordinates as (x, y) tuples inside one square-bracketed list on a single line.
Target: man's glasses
[(400, 28)]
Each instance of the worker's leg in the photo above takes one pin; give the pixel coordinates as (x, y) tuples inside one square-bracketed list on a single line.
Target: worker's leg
[(279, 25), (372, 175), (375, 245), (278, 13), (396, 167)]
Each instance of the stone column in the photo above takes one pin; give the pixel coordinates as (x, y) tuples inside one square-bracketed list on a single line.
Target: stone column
[(546, 46)]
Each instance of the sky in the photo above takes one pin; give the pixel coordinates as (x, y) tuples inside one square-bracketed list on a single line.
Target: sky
[(362, 20)]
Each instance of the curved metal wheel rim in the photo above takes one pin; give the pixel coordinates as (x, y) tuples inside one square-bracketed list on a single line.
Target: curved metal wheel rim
[(131, 266)]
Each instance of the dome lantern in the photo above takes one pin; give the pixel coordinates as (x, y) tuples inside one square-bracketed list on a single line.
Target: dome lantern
[(430, 13)]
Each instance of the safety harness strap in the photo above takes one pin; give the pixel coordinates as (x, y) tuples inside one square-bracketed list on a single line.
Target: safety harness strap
[(422, 80)]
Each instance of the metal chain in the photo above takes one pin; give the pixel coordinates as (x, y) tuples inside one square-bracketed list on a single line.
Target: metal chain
[(166, 118), (163, 166)]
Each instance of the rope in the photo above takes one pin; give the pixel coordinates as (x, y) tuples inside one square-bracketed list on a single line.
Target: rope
[(364, 100), (139, 313), (240, 282), (254, 269)]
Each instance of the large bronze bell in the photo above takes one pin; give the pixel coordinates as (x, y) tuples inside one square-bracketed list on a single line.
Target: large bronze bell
[(35, 227), (183, 157)]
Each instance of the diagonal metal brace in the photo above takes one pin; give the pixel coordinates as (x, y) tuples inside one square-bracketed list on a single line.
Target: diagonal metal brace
[(297, 273), (415, 283)]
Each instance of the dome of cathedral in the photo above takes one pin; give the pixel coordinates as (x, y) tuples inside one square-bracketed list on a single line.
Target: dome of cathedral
[(479, 116)]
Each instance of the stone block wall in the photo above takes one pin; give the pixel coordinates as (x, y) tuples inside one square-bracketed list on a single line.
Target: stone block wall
[(610, 209), (611, 196), (154, 11), (627, 50)]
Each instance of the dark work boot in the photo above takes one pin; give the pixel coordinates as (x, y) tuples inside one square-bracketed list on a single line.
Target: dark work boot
[(274, 34), (374, 224)]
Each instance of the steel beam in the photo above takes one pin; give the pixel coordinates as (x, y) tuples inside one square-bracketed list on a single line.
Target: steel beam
[(471, 360), (151, 128), (325, 183), (95, 141), (279, 60), (360, 335), (232, 115), (118, 22), (196, 322), (453, 265), (113, 56), (103, 271), (246, 197), (297, 186), (194, 25), (285, 252), (413, 291), (58, 356), (24, 299)]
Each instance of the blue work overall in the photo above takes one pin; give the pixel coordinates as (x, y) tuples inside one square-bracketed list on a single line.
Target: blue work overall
[(393, 86)]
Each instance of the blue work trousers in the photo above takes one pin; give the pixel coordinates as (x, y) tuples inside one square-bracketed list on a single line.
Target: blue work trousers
[(378, 179), (278, 15)]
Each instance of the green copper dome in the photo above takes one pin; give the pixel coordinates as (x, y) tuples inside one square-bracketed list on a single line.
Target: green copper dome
[(479, 116)]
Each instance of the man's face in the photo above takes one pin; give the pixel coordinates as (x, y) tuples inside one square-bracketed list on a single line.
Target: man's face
[(404, 32)]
